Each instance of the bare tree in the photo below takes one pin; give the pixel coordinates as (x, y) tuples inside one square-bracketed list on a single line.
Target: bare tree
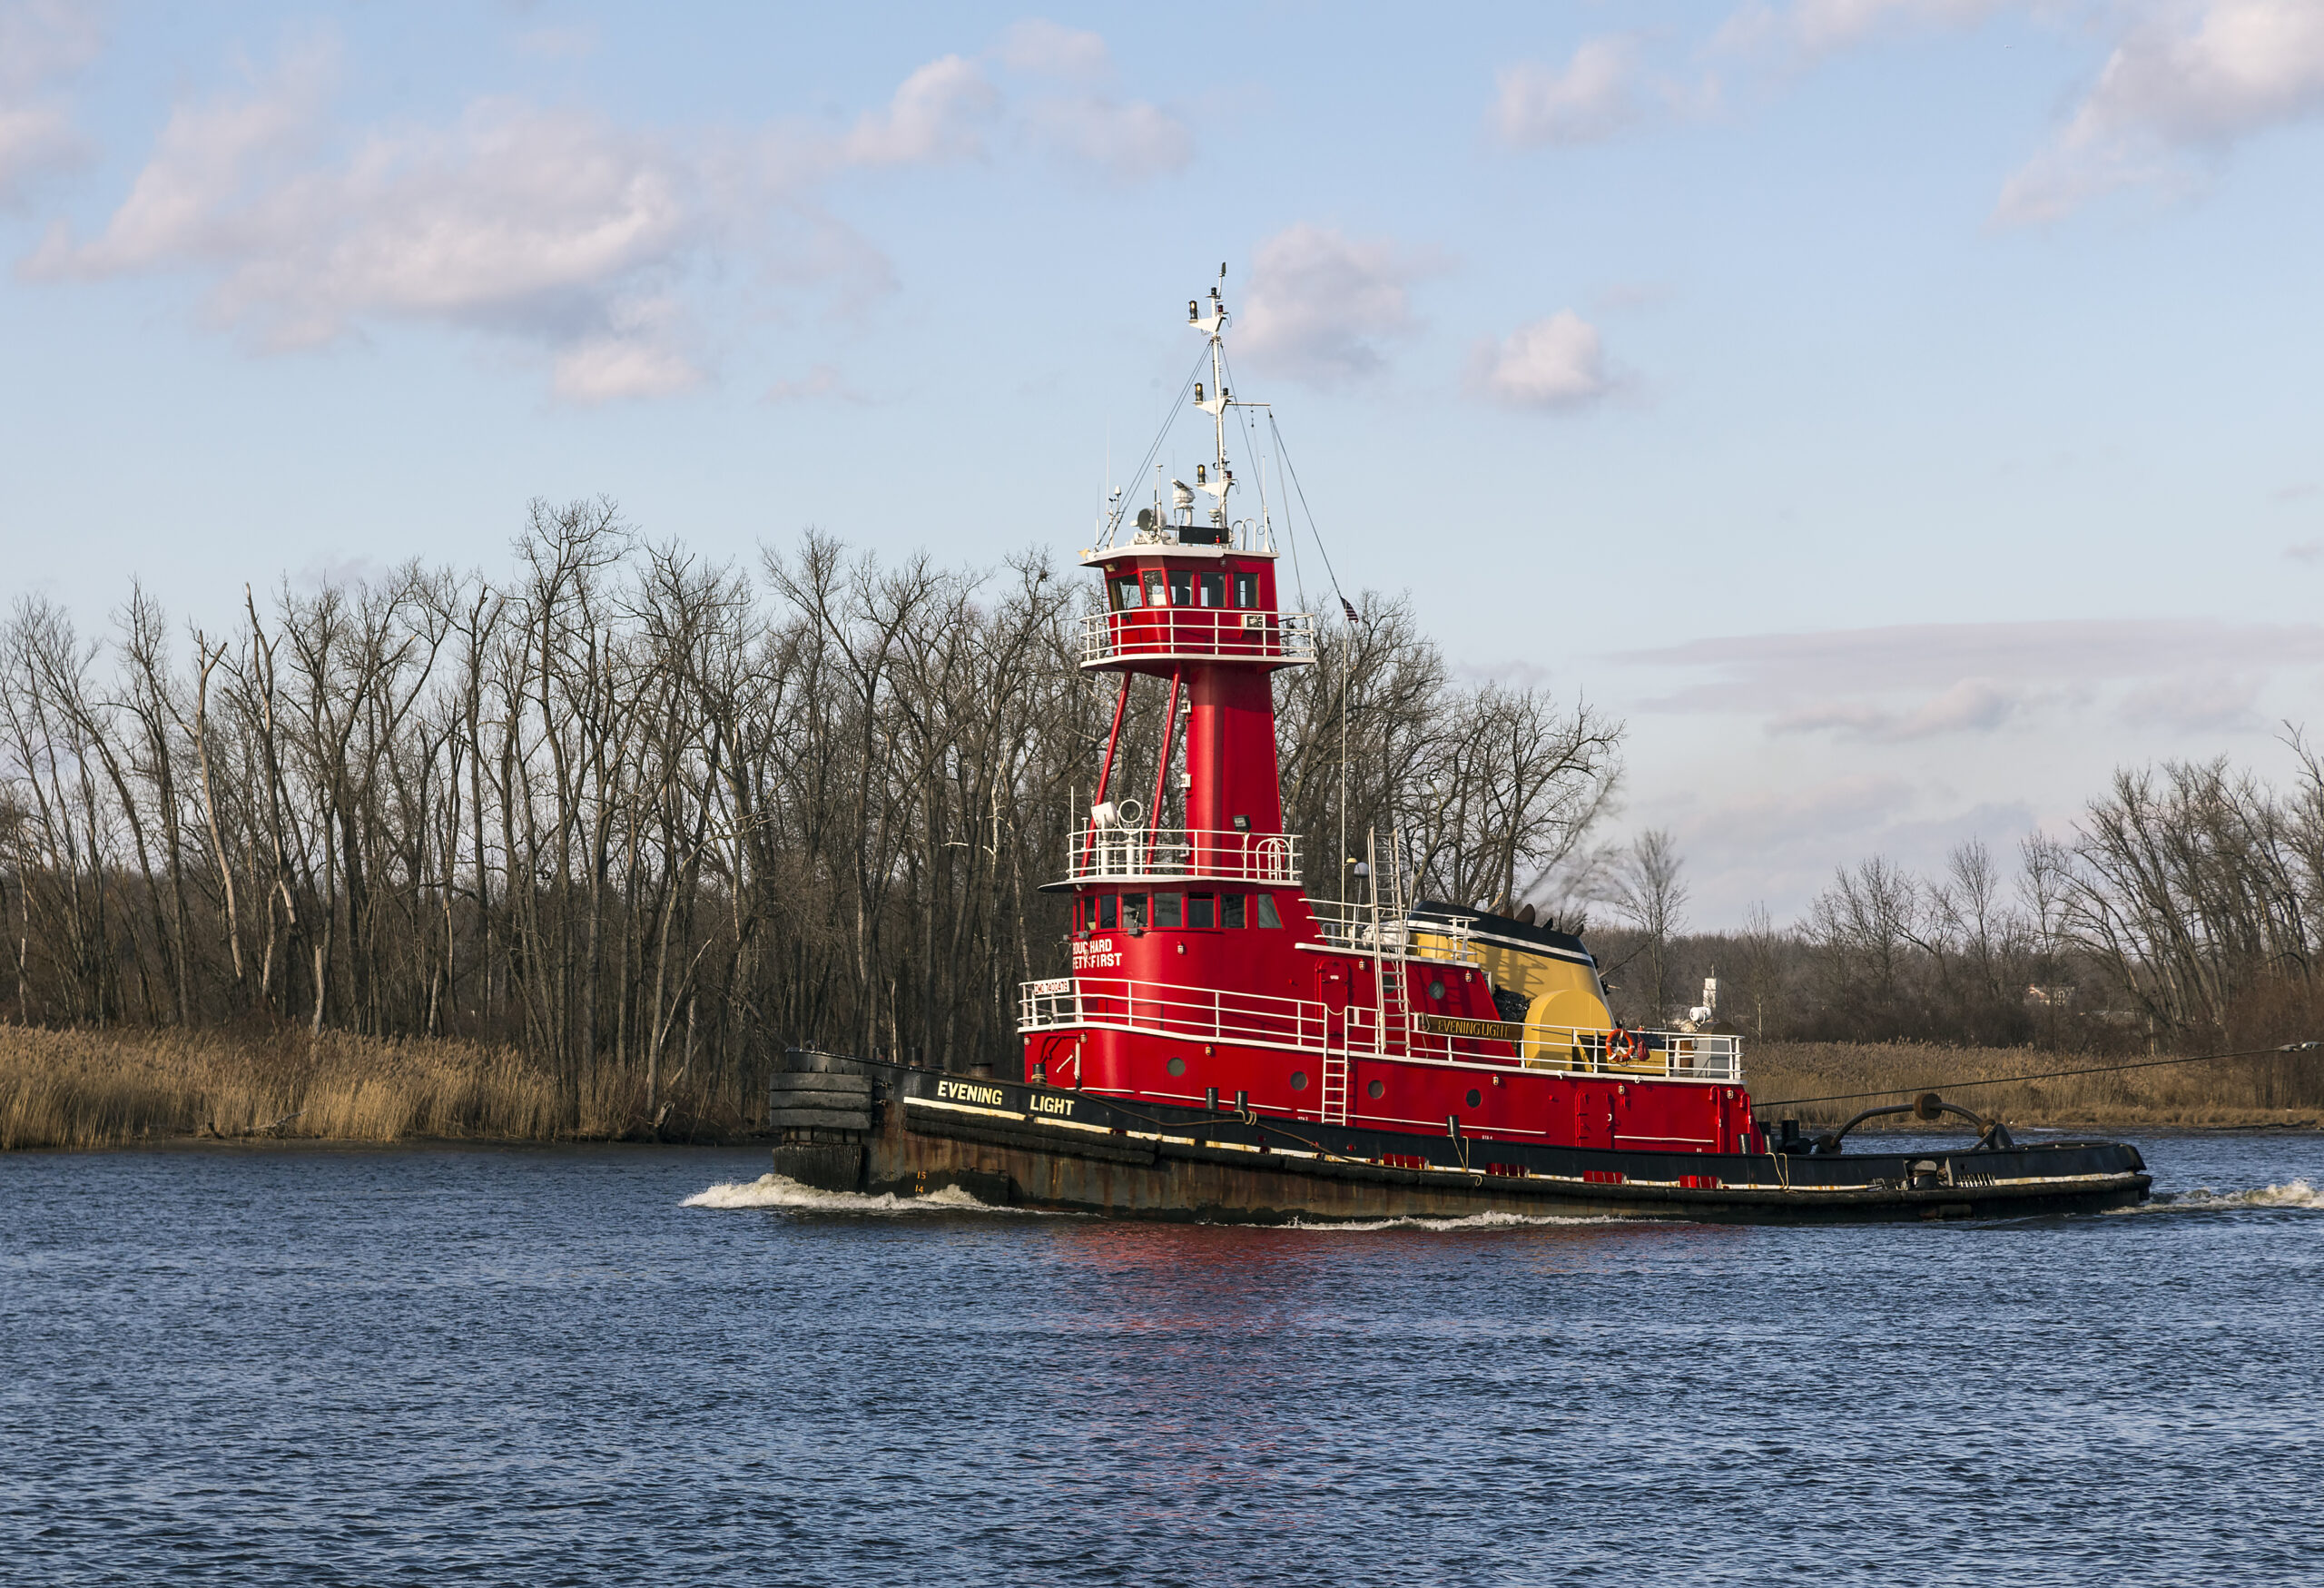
[(1650, 893)]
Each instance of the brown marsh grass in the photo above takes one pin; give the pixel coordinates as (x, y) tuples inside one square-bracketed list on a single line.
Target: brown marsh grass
[(84, 1088), (2280, 1089)]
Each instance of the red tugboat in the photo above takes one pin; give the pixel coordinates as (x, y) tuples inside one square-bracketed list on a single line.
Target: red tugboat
[(1229, 1046)]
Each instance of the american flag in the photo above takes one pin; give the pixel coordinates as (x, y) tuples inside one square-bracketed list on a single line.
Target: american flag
[(1349, 608)]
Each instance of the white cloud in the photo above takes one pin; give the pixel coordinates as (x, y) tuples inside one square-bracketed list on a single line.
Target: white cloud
[(2207, 701), (1781, 672), (936, 114), (612, 367), (1553, 363), (198, 194), (551, 226), (43, 43), (41, 40), (637, 355), (34, 139), (1126, 141), (2306, 551), (580, 238), (1975, 705), (1596, 94), (1320, 304), (2188, 80), (341, 570), (2242, 64), (1051, 50), (1916, 682), (1854, 804)]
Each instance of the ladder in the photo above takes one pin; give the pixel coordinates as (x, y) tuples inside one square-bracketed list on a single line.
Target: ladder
[(1389, 975), (1335, 1076)]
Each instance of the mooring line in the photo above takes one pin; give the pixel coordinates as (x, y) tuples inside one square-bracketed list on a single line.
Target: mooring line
[(1849, 1097)]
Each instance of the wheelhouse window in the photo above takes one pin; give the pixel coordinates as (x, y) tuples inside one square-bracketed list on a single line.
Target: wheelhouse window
[(1106, 917), (1262, 907), (1230, 910), (1182, 588), (1201, 910), (1212, 589), (1247, 590), (1158, 587), (1170, 910), (1126, 596), (1133, 912)]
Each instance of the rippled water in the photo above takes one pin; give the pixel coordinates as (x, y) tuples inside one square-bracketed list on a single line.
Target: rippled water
[(541, 1367)]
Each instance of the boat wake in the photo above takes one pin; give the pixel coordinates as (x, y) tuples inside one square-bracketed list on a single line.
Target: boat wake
[(2298, 1195), (782, 1191), (1488, 1220)]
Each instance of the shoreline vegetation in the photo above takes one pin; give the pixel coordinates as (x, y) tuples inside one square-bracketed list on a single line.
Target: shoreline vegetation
[(125, 1085), (130, 1086), (2270, 1089)]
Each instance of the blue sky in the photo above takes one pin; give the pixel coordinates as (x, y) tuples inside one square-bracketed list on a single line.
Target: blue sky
[(1902, 412)]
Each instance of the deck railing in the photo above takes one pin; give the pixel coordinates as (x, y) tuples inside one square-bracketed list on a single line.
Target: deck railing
[(1197, 633), (1125, 854), (1211, 1014), (1357, 928)]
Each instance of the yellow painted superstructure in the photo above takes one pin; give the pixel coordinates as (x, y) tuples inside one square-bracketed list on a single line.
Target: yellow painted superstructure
[(1559, 992)]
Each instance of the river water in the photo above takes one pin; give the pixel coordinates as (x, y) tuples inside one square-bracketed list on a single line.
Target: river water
[(473, 1366)]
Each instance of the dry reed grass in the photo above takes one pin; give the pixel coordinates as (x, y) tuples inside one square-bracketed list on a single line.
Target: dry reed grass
[(2283, 1089), (84, 1088)]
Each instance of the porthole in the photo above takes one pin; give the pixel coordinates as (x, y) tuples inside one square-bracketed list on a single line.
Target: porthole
[(1299, 1081), (1436, 989), (1374, 1090), (1177, 1067), (1475, 1097)]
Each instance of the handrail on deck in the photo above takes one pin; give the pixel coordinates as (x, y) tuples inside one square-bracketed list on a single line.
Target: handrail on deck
[(1143, 854), (1356, 928), (1229, 633), (1211, 1014)]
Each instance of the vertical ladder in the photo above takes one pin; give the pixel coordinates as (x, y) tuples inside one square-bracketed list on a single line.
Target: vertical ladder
[(1395, 998), (1335, 1077)]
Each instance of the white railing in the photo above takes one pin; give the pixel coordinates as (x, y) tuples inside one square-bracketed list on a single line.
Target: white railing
[(1581, 1050), (1109, 854), (1207, 1015), (1163, 633), (1352, 926), (1210, 1014)]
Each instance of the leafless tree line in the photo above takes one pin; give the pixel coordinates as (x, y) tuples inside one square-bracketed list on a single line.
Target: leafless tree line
[(629, 805), (2186, 908), (1488, 793)]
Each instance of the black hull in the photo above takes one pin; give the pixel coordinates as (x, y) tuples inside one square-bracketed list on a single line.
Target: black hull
[(861, 1125)]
